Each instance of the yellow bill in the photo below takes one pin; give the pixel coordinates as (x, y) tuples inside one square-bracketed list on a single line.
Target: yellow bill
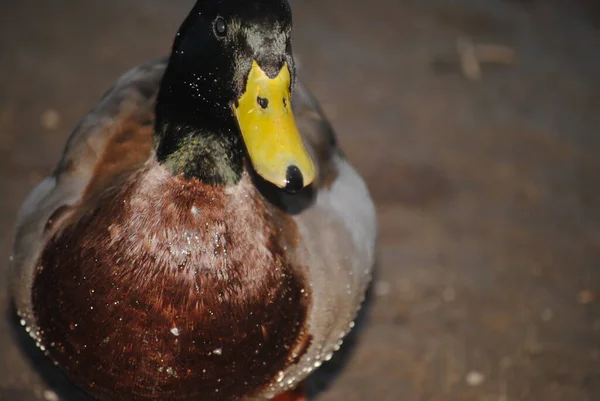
[(265, 117)]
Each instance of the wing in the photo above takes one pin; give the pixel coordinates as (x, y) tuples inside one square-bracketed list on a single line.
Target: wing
[(317, 134), (114, 139)]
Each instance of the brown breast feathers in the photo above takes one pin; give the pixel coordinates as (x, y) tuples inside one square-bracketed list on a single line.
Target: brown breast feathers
[(171, 290)]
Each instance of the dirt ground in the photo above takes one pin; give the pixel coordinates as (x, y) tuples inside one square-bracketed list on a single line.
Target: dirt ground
[(488, 189)]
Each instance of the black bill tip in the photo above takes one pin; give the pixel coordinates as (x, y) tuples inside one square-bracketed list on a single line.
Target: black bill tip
[(294, 181)]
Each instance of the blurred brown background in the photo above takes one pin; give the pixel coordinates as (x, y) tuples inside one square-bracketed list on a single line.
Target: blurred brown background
[(477, 127)]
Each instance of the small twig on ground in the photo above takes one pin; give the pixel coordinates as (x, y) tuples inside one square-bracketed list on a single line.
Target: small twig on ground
[(472, 56)]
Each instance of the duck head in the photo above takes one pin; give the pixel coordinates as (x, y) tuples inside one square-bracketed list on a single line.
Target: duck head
[(226, 96)]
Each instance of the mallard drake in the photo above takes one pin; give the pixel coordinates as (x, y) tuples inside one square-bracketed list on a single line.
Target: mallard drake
[(202, 237)]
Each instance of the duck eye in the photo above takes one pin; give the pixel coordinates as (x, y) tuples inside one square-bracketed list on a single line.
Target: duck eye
[(220, 27)]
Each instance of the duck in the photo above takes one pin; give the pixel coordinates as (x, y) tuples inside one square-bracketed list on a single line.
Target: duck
[(203, 236)]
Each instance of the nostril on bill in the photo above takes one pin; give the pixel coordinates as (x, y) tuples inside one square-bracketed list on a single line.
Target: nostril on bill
[(263, 102)]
